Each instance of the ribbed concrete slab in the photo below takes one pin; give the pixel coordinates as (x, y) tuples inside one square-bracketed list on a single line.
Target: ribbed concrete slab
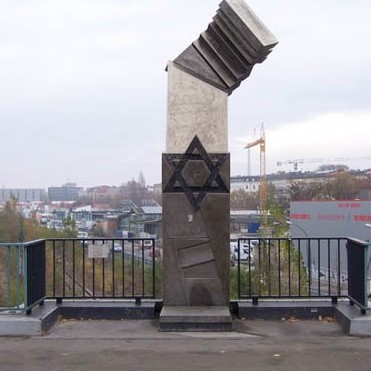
[(281, 309), (43, 318), (106, 310), (37, 323), (16, 325), (352, 320), (132, 330), (193, 318)]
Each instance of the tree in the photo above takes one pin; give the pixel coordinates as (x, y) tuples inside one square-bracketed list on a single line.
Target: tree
[(243, 200), (305, 191), (10, 222), (15, 228), (344, 186), (339, 187), (134, 192), (141, 180), (271, 193), (157, 196), (333, 167), (84, 200), (115, 201), (137, 191)]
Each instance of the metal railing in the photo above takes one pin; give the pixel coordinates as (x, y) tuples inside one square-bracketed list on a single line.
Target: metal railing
[(101, 268), (22, 275), (291, 268), (35, 265), (358, 273), (119, 268), (11, 276)]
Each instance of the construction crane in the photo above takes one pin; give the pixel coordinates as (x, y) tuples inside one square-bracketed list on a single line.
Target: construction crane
[(295, 162), (263, 176)]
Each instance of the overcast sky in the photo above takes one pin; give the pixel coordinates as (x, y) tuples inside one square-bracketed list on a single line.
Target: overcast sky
[(83, 87)]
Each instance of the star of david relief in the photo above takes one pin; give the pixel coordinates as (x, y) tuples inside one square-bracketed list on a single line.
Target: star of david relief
[(195, 173)]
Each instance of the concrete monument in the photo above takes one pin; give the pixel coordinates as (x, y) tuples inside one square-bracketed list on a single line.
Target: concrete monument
[(196, 166)]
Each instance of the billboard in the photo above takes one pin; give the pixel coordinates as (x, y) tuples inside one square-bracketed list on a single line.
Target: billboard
[(331, 219), (346, 218)]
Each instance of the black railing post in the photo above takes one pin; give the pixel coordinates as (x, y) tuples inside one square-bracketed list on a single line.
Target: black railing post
[(238, 270), (35, 265), (357, 273), (153, 271)]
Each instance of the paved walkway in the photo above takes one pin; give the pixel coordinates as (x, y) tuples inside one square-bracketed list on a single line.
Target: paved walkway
[(137, 345)]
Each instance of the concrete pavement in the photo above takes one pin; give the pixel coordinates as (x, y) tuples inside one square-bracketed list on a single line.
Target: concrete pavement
[(138, 345)]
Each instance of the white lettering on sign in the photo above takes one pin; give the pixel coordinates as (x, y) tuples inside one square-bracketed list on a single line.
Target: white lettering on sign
[(98, 251)]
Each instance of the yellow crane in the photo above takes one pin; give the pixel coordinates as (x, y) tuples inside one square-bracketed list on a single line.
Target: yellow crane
[(263, 176)]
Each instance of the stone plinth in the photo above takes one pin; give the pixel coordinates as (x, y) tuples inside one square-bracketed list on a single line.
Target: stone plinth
[(195, 319)]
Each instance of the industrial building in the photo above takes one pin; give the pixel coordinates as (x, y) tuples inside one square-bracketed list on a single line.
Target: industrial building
[(22, 194)]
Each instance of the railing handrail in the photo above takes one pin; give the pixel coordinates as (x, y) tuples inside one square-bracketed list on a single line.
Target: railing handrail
[(21, 244), (291, 238), (100, 238), (15, 244)]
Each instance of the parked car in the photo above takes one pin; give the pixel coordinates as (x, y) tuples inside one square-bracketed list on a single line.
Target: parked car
[(117, 247), (246, 251), (147, 244)]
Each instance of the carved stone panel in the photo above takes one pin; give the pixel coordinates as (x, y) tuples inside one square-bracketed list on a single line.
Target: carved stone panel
[(196, 227)]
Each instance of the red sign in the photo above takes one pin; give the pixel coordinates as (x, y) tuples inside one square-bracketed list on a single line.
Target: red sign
[(300, 216), (335, 217), (362, 218), (350, 205)]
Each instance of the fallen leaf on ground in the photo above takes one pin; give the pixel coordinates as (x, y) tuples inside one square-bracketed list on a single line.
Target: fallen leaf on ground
[(292, 319)]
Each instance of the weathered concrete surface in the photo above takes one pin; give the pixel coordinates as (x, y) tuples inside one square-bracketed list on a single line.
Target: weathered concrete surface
[(352, 321), (16, 325), (178, 318), (38, 323), (283, 309), (43, 318), (195, 108), (138, 345), (225, 54)]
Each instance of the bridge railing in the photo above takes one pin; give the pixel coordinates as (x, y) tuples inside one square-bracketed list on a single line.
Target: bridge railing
[(291, 267), (11, 276), (101, 268), (22, 275), (119, 268), (358, 272)]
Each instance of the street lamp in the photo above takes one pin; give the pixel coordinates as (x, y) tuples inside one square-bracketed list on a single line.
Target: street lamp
[(298, 226)]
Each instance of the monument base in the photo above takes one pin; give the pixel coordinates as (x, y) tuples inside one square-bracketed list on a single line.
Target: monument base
[(192, 318)]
